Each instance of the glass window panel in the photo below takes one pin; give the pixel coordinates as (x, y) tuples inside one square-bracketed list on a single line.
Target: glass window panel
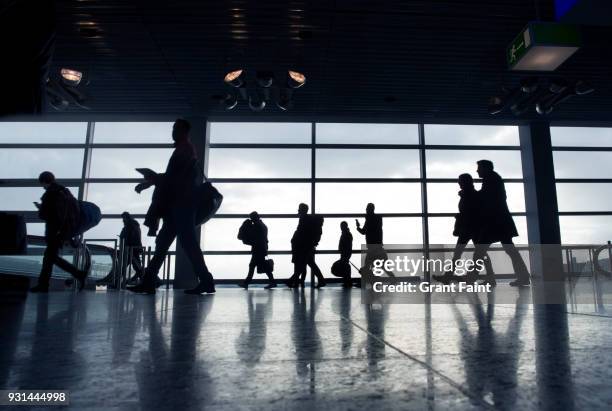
[(259, 163), (396, 230), (30, 162), (353, 197), (584, 197), (22, 198), (115, 198), (441, 230), (444, 197), (452, 134), (221, 234), (363, 133), (583, 164), (42, 132), (226, 267), (585, 229), (451, 163), (261, 133), (122, 163), (265, 198), (133, 132), (581, 136), (360, 163), (35, 229), (109, 229)]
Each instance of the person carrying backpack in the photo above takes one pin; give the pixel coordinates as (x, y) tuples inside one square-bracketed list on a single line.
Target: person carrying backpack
[(254, 232), (303, 244), (60, 212)]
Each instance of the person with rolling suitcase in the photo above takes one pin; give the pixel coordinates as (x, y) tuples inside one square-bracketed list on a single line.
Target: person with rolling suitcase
[(342, 267)]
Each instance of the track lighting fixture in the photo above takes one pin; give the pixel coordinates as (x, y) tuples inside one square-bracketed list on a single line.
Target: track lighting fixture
[(264, 90), (543, 95)]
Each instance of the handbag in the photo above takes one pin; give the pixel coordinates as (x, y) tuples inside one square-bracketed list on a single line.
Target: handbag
[(266, 267), (208, 201), (341, 268)]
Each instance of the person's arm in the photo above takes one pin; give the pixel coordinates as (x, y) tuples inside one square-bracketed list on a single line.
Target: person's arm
[(44, 209), (361, 230)]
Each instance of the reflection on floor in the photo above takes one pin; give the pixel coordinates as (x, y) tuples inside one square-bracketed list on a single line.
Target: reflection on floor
[(307, 350)]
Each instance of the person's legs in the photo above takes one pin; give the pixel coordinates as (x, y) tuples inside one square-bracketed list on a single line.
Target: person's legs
[(449, 275), (252, 264), (299, 267), (164, 240), (518, 264), (315, 270), (191, 245), (479, 254), (137, 264), (51, 252)]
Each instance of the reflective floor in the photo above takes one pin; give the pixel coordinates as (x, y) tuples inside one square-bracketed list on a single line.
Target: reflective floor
[(311, 350)]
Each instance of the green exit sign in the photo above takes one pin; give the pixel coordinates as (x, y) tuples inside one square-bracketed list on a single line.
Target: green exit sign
[(542, 46)]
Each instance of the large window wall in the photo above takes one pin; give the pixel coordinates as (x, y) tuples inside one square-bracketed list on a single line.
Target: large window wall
[(95, 161), (583, 169), (409, 171)]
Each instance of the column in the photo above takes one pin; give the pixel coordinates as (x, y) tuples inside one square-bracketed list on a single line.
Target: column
[(541, 201)]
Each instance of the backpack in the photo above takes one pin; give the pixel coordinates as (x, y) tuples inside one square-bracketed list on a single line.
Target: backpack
[(245, 232), (90, 216), (316, 229)]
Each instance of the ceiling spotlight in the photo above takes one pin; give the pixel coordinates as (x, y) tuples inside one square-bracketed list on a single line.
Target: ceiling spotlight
[(296, 79), (529, 84), (265, 79), (497, 104), (71, 77), (256, 104), (285, 101), (230, 102), (582, 88), (234, 78)]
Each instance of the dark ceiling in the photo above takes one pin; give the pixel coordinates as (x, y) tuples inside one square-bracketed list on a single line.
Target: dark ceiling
[(394, 59)]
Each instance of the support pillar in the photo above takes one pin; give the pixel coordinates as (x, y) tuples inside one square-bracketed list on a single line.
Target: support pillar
[(541, 201)]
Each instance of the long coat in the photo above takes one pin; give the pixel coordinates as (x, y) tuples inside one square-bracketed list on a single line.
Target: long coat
[(468, 222), (497, 221)]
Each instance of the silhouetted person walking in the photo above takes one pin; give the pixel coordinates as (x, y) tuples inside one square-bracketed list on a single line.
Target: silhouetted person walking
[(132, 246), (373, 231), (468, 224), (60, 212), (303, 243), (257, 234), (497, 224), (345, 247), (178, 186)]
